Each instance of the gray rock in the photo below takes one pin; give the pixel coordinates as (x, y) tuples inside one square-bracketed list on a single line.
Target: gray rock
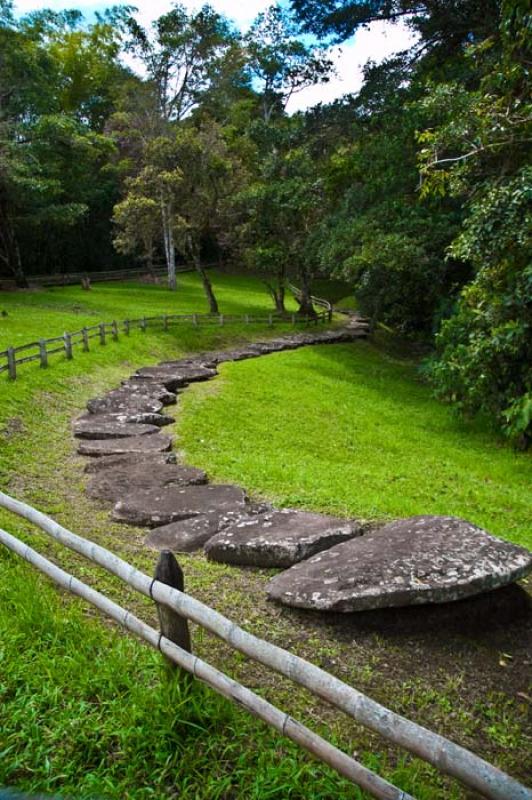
[(110, 485), (156, 443), (419, 560), (186, 535), (149, 460), (98, 428), (279, 538), (128, 419), (161, 506), (154, 390), (174, 377), (123, 401)]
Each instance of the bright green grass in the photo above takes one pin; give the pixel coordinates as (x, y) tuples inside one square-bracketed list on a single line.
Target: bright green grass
[(45, 313), (83, 710), (350, 430), (88, 712)]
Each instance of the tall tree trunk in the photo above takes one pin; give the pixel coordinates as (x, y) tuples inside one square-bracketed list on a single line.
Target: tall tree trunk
[(207, 285), (278, 295), (9, 249), (169, 246), (306, 309)]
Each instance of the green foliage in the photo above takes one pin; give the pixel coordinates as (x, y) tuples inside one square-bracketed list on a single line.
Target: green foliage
[(480, 153)]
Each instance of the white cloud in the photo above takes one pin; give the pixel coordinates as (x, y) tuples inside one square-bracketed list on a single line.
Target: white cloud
[(376, 42)]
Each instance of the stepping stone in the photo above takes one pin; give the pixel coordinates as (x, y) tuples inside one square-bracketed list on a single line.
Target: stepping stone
[(175, 377), (419, 560), (154, 390), (198, 361), (97, 428), (149, 460), (186, 535), (128, 419), (156, 443), (157, 507), (279, 538), (122, 401), (111, 485)]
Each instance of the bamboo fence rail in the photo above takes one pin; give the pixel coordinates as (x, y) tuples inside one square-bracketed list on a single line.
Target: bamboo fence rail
[(447, 756), (10, 360), (345, 765)]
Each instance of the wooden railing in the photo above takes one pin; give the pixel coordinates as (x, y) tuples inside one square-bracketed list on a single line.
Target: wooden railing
[(40, 350), (320, 302), (72, 278), (173, 603)]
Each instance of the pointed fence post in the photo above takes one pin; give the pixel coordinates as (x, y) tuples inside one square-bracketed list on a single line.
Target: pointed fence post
[(67, 338), (11, 363), (85, 339), (102, 333), (114, 330), (43, 355), (172, 625)]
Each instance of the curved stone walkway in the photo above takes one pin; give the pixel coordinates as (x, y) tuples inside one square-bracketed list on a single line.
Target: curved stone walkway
[(331, 564)]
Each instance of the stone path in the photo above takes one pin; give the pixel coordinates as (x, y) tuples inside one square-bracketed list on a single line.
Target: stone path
[(333, 563)]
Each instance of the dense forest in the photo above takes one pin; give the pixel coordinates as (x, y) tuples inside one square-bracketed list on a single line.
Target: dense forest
[(121, 145)]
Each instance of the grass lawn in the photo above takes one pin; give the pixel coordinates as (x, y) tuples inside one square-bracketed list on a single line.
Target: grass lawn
[(351, 430), (86, 711)]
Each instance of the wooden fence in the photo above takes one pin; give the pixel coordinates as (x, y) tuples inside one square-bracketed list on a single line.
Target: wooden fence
[(173, 642), (72, 278), (40, 350)]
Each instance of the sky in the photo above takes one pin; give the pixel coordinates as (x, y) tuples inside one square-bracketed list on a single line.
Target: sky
[(376, 42)]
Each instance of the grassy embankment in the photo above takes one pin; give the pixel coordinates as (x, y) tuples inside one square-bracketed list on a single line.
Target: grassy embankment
[(118, 730)]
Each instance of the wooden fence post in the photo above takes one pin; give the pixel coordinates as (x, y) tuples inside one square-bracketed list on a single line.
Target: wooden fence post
[(114, 330), (172, 625), (126, 327), (42, 353), (11, 363), (246, 319), (194, 319), (293, 319), (221, 319), (67, 338), (102, 333), (143, 324), (270, 320), (85, 339)]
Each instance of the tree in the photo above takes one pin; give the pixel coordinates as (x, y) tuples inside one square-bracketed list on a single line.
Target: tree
[(53, 151), (480, 154), (280, 62), (444, 27), (281, 210), (182, 57)]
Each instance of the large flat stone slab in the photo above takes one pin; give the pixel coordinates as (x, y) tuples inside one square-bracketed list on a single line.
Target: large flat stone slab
[(153, 508), (156, 443), (112, 484), (98, 428), (186, 535), (174, 377), (124, 401), (160, 420), (419, 560), (279, 538), (154, 390), (148, 460)]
